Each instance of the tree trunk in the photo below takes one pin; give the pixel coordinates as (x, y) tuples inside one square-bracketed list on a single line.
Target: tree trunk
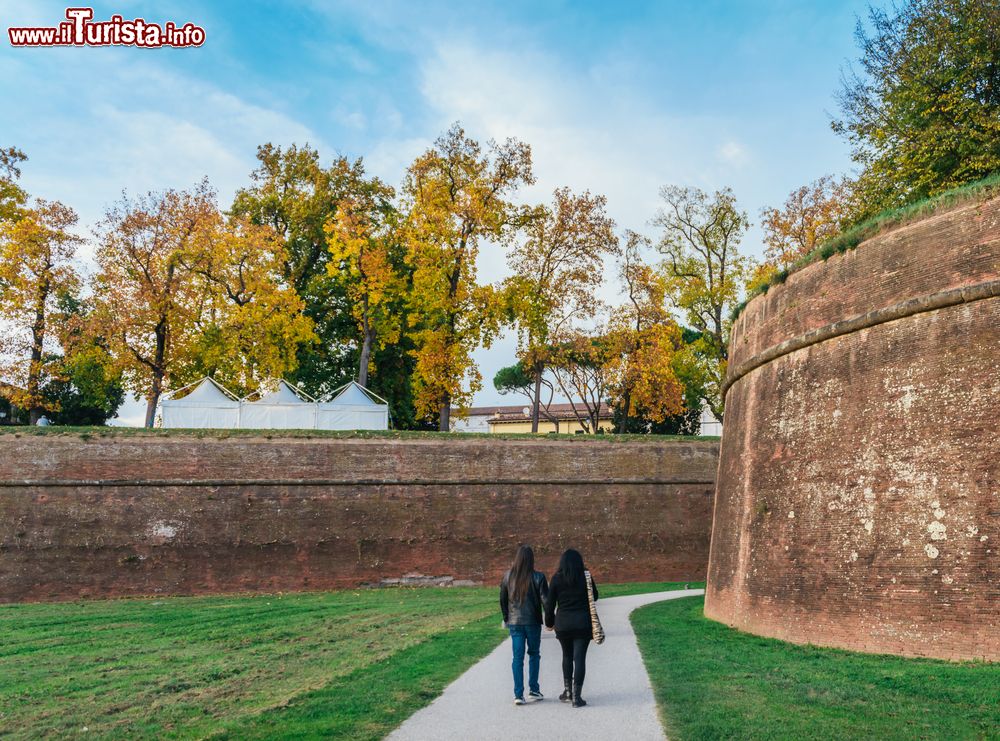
[(156, 389), (445, 415), (35, 366), (366, 351), (151, 401), (626, 405), (536, 401)]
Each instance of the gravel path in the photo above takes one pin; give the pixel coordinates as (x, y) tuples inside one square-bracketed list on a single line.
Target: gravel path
[(479, 704)]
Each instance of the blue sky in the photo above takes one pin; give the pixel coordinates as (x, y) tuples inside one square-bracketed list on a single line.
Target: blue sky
[(619, 98)]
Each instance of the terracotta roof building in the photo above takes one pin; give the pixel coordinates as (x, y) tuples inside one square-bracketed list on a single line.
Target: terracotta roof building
[(559, 418)]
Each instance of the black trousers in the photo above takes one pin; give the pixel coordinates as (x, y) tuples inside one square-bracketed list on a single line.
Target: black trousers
[(574, 659)]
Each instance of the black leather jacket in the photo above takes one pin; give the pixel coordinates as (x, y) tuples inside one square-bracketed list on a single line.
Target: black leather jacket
[(528, 612)]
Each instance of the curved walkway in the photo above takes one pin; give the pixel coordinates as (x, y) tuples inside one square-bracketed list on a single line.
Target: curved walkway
[(479, 704)]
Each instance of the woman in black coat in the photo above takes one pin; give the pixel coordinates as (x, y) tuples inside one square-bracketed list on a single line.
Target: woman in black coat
[(567, 609)]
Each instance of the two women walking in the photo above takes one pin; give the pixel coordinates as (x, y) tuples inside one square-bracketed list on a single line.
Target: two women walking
[(526, 599)]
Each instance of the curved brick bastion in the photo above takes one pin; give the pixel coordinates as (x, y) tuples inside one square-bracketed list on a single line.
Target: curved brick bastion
[(145, 514), (858, 501)]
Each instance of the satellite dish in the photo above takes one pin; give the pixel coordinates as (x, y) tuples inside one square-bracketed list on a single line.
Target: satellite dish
[(526, 411)]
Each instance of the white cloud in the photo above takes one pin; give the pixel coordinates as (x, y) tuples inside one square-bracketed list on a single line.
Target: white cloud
[(134, 127), (733, 153), (588, 129)]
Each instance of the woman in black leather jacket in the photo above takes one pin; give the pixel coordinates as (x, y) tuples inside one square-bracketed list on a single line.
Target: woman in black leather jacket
[(568, 610), (522, 596)]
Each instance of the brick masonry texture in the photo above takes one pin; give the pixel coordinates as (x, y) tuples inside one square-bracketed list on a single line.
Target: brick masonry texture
[(120, 515), (858, 500)]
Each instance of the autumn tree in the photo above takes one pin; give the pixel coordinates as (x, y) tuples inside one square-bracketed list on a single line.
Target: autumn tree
[(647, 390), (923, 111), (366, 252), (145, 297), (811, 215), (705, 273), (645, 383), (557, 261), (12, 196), (584, 365), (250, 323), (296, 195), (457, 195), (184, 291), (36, 267)]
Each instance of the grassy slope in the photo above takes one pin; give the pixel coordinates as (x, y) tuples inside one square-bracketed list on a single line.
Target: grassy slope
[(713, 682), (89, 432), (852, 236), (350, 664)]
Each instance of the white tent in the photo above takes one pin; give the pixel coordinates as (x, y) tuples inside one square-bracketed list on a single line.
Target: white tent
[(283, 408), (353, 408), (280, 407), (207, 405)]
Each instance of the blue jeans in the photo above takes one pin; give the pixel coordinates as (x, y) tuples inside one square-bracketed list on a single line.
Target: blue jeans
[(519, 636)]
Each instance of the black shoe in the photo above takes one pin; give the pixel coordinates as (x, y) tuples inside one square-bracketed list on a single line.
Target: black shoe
[(578, 702), (567, 694), (519, 701), (536, 696)]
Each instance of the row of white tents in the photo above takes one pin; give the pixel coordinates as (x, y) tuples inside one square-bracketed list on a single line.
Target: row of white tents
[(209, 405)]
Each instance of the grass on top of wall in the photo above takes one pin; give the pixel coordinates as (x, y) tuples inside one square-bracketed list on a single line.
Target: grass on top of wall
[(87, 433), (714, 682), (349, 664), (851, 237)]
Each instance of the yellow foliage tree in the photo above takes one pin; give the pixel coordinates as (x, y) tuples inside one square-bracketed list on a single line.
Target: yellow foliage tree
[(250, 323), (365, 250), (648, 338), (645, 374), (557, 268), (181, 292), (12, 196), (457, 195), (36, 254), (145, 300)]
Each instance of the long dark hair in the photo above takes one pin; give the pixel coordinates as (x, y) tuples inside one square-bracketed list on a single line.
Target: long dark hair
[(521, 573), (571, 568)]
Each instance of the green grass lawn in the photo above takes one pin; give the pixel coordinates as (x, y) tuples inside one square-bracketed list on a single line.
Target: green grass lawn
[(713, 682), (348, 664)]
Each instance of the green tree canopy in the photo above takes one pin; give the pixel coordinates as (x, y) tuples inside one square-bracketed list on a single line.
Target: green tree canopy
[(923, 111)]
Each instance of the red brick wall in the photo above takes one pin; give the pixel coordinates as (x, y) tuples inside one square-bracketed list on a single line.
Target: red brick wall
[(111, 516), (858, 501)]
